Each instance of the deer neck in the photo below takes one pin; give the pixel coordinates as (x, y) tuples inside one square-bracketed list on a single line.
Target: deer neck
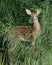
[(36, 25)]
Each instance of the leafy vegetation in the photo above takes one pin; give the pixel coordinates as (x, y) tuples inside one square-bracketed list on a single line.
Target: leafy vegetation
[(12, 13)]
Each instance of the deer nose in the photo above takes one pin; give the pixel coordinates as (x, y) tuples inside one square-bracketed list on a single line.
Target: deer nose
[(32, 18)]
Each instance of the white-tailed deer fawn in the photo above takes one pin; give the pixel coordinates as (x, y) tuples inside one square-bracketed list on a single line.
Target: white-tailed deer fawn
[(28, 32)]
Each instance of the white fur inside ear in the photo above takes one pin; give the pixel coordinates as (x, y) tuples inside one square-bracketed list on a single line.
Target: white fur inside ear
[(39, 11), (28, 12)]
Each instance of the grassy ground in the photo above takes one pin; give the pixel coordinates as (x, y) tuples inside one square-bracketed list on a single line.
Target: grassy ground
[(0, 59), (42, 53)]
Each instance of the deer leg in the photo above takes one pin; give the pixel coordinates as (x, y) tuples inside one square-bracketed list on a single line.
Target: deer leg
[(33, 43), (34, 38)]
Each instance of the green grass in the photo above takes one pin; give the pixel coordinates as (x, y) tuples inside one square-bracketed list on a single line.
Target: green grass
[(24, 54), (0, 58)]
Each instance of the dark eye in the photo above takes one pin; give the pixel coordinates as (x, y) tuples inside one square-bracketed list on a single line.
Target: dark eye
[(36, 16)]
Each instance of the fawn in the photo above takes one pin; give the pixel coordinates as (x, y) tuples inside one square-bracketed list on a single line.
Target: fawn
[(28, 32)]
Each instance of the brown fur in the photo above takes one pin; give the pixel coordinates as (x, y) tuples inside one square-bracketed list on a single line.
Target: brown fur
[(27, 32)]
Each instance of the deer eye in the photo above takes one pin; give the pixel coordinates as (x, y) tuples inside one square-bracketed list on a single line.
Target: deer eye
[(36, 16)]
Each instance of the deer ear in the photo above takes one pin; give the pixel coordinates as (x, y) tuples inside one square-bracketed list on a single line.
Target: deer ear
[(28, 11), (38, 11)]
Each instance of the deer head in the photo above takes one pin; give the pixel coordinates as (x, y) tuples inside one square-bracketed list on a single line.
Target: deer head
[(33, 15)]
